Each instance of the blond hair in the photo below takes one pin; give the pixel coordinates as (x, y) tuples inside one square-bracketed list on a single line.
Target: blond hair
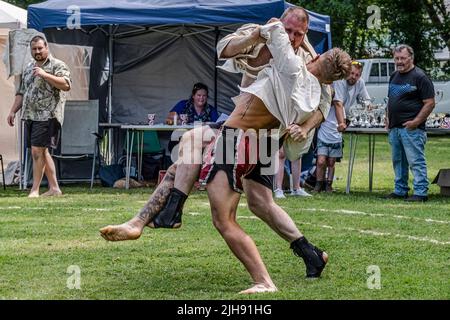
[(337, 64)]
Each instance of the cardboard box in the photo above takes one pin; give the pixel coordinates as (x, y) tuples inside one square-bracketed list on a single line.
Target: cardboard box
[(443, 180)]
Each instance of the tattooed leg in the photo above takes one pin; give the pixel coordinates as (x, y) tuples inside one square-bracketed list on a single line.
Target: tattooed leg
[(187, 171), (132, 229)]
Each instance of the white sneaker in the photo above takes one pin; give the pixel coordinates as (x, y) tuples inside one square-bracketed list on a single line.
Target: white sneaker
[(301, 193), (279, 194)]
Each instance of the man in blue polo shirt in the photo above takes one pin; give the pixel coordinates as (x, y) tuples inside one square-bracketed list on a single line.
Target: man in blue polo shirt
[(411, 100)]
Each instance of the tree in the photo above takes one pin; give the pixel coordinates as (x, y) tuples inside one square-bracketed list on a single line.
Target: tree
[(440, 16), (423, 24), (23, 3)]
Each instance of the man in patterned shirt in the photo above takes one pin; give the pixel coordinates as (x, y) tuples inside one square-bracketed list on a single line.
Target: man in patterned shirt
[(42, 96)]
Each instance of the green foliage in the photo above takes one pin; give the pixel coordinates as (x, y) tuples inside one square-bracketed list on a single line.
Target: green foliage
[(23, 3), (423, 24)]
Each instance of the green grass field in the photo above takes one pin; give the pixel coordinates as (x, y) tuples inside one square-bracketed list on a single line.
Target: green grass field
[(41, 238)]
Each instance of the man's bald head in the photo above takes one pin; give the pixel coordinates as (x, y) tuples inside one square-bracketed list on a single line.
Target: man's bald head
[(298, 12), (295, 21)]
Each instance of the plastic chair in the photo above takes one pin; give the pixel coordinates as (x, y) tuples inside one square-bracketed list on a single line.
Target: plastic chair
[(79, 136), (3, 172)]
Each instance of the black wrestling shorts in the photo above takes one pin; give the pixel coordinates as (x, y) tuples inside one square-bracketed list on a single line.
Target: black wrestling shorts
[(43, 134), (236, 169)]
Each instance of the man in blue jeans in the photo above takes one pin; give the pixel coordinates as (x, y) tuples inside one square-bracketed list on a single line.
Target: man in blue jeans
[(411, 100)]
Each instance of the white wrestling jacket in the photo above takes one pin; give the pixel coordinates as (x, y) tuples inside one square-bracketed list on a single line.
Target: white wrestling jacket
[(288, 90)]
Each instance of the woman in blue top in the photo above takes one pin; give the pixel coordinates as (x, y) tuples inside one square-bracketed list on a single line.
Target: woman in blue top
[(197, 107)]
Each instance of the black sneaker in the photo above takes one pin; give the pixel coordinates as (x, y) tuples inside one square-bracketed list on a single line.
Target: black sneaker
[(416, 198), (395, 196)]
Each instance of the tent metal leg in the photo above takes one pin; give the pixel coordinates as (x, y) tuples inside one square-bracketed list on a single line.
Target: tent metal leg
[(351, 160), (371, 159), (129, 155)]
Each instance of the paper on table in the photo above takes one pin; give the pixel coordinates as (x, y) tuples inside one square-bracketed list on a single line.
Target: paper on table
[(222, 117)]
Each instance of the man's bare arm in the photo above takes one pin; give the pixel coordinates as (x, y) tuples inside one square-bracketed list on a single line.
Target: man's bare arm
[(339, 108), (428, 106), (299, 132), (17, 105), (57, 82), (239, 43)]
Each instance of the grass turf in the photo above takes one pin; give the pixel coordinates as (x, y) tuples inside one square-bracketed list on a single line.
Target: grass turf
[(40, 239)]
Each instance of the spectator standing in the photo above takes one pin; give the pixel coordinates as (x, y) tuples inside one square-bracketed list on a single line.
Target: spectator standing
[(42, 96), (329, 139), (411, 100)]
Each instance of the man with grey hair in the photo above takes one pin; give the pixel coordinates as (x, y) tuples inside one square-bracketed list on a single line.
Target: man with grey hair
[(411, 100), (42, 96)]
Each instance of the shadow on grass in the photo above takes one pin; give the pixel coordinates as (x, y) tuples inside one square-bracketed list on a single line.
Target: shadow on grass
[(75, 189)]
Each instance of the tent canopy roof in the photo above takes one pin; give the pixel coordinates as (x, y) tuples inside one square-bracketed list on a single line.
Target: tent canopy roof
[(56, 13), (12, 17)]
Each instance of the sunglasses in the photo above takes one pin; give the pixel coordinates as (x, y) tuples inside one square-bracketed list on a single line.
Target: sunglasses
[(356, 63)]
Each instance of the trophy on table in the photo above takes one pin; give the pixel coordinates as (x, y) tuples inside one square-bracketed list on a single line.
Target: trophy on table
[(365, 114)]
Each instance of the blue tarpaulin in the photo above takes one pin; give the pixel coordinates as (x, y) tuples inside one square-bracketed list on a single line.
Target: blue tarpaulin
[(56, 13), (156, 49)]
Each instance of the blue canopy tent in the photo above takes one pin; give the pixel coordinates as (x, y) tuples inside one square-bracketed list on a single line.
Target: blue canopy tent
[(152, 51)]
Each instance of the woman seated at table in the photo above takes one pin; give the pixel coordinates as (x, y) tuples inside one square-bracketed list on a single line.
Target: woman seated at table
[(196, 107)]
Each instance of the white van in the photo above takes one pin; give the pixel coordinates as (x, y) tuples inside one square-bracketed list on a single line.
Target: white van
[(376, 74)]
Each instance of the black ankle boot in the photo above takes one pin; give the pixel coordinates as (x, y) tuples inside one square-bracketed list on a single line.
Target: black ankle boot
[(172, 211), (311, 255)]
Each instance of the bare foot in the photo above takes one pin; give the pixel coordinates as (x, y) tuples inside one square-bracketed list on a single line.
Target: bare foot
[(33, 194), (152, 225), (121, 232), (51, 193), (325, 257), (259, 288)]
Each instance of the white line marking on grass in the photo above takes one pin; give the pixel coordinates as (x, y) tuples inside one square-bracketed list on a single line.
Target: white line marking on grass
[(437, 221), (195, 213), (367, 232), (248, 217), (16, 208), (378, 215), (422, 239), (57, 208), (381, 234)]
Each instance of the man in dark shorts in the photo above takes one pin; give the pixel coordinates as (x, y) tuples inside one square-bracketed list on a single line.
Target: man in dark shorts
[(42, 96), (258, 109)]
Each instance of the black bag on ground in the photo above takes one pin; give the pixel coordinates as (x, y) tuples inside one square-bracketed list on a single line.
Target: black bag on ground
[(151, 164), (110, 174)]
